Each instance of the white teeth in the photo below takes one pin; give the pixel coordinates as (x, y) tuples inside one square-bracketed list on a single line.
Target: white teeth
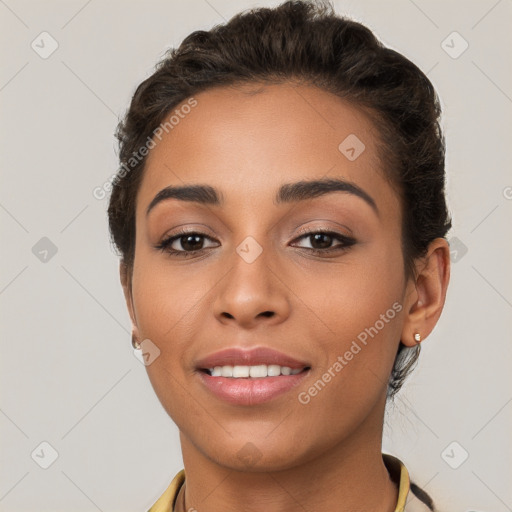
[(241, 371), (257, 371), (227, 371), (273, 370)]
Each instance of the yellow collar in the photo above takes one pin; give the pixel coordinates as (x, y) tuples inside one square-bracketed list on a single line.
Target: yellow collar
[(166, 502)]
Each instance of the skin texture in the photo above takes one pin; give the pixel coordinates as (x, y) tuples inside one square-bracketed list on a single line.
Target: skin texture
[(247, 141)]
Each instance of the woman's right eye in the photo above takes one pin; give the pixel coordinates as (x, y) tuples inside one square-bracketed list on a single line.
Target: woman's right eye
[(190, 242)]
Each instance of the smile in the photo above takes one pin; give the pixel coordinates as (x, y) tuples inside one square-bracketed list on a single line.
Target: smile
[(258, 371)]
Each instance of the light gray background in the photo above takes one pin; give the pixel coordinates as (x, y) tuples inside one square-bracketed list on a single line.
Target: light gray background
[(68, 374)]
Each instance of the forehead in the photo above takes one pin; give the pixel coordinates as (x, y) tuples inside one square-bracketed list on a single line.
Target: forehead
[(249, 139)]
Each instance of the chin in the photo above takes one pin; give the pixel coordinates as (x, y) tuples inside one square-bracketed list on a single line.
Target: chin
[(252, 460), (256, 455)]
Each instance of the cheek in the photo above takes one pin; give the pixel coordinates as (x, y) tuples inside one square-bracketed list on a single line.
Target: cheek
[(362, 310), (349, 296), (358, 314), (167, 304), (173, 306)]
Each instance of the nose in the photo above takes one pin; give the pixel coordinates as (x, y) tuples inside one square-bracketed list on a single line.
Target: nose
[(252, 294)]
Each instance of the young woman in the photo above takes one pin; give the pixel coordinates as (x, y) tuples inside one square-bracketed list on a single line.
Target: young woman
[(281, 220)]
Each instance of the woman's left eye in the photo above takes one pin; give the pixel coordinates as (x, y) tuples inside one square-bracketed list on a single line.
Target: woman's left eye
[(322, 240), (192, 243)]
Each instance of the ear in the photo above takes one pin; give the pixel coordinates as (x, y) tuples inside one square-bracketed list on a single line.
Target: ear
[(125, 275), (426, 292)]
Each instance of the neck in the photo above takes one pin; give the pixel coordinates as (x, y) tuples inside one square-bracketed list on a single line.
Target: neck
[(348, 476)]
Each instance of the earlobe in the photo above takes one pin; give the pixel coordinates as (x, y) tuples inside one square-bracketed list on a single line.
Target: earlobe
[(428, 298)]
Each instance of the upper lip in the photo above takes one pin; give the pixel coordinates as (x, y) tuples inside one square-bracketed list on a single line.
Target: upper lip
[(249, 357)]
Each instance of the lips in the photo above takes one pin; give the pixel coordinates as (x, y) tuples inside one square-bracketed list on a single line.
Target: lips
[(252, 357), (242, 390)]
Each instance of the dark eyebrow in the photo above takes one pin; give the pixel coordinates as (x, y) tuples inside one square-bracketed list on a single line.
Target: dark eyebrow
[(287, 193), (203, 194), (303, 190)]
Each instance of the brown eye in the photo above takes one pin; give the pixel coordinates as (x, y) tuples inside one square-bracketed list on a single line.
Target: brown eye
[(321, 241), (191, 242), (184, 244)]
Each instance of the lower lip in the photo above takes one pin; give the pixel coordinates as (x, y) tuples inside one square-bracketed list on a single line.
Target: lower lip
[(251, 391)]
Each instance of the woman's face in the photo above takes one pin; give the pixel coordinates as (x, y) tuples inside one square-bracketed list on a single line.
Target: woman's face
[(252, 280)]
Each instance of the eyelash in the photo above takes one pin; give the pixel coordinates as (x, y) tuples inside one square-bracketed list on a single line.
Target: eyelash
[(346, 243)]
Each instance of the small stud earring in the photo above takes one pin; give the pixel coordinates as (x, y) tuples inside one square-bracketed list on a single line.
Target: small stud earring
[(417, 337), (135, 343)]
